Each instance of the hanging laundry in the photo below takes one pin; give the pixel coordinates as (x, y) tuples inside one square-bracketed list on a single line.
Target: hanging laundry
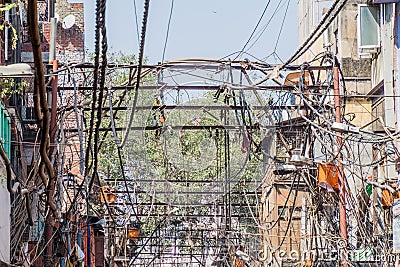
[(75, 257)]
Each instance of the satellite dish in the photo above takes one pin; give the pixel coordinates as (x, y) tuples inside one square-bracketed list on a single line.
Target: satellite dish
[(57, 16), (68, 22)]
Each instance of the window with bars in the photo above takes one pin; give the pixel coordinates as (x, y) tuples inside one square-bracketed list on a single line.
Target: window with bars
[(292, 137), (5, 130)]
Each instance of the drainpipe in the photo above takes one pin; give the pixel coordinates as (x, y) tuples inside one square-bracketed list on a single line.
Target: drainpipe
[(88, 247), (396, 77), (396, 87), (342, 177)]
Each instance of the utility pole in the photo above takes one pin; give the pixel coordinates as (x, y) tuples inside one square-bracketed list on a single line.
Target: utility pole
[(53, 123), (342, 178)]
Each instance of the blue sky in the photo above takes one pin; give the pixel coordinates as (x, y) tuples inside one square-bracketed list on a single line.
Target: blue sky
[(199, 28)]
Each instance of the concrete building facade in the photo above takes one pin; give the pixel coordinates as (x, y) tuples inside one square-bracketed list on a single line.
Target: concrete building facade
[(364, 37), (19, 133)]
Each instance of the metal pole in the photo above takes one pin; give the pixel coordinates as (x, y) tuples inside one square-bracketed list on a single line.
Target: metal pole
[(48, 231), (53, 37), (342, 178), (397, 73), (48, 257), (53, 119), (88, 247)]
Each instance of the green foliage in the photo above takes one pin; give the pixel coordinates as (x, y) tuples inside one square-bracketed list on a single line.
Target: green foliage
[(9, 25), (118, 74), (189, 148), (9, 86), (188, 145)]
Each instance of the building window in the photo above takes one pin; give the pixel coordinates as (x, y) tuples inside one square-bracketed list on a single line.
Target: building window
[(5, 130), (378, 108), (368, 23), (43, 12), (320, 8)]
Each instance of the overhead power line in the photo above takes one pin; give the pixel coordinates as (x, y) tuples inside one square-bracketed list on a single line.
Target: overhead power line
[(136, 21), (139, 69), (254, 30), (95, 85), (318, 31), (281, 28), (168, 27)]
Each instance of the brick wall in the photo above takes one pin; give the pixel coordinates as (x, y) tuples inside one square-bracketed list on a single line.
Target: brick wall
[(70, 39), (70, 43)]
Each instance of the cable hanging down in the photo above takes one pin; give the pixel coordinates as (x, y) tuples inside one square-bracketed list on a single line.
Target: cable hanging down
[(139, 70)]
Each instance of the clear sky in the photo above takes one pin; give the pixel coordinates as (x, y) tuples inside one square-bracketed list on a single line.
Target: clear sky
[(199, 28)]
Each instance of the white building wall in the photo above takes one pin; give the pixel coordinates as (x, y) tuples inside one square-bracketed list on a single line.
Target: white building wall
[(5, 220)]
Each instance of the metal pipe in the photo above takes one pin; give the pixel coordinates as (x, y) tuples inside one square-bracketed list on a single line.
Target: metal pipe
[(88, 246), (53, 37), (178, 128), (204, 107), (283, 88), (53, 119), (397, 76), (342, 178)]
